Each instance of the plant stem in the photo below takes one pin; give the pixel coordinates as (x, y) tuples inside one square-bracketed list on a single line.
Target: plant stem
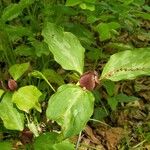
[(100, 122), (141, 143), (78, 142)]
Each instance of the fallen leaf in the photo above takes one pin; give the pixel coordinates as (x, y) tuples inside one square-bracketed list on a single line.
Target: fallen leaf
[(113, 137), (91, 135)]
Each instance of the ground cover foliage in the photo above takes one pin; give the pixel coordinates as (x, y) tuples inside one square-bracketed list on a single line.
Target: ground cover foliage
[(74, 74)]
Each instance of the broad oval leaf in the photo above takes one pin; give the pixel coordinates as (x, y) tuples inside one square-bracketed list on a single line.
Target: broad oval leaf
[(17, 70), (65, 46), (12, 119), (71, 107), (127, 65), (26, 98)]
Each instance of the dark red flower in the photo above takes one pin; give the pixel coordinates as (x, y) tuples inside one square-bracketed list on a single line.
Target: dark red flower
[(89, 80), (12, 84), (26, 136)]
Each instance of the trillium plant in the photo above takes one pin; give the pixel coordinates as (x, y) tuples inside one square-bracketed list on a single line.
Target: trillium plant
[(71, 105)]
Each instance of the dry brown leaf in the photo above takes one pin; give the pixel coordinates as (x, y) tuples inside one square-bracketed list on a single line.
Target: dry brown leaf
[(84, 142), (91, 135), (113, 137)]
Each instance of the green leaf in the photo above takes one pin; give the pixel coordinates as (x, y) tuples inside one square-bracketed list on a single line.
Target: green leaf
[(103, 29), (127, 65), (1, 92), (143, 15), (17, 70), (14, 10), (5, 145), (110, 87), (119, 46), (46, 141), (100, 113), (113, 103), (88, 6), (24, 50), (125, 98), (41, 48), (84, 35), (113, 25), (53, 76), (64, 145), (73, 2), (94, 54), (12, 119), (65, 46), (38, 74), (26, 98), (71, 107), (18, 31), (11, 12), (49, 141)]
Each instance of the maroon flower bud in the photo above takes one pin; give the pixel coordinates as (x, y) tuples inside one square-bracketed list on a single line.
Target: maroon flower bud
[(89, 80), (26, 136), (12, 84)]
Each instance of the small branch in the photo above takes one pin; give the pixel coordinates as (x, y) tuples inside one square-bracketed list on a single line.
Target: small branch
[(78, 142)]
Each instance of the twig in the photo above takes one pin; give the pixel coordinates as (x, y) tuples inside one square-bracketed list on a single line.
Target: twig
[(141, 143), (78, 142)]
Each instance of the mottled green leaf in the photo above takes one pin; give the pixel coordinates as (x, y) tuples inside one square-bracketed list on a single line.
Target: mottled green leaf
[(17, 70), (65, 46), (27, 97), (71, 107), (12, 119), (127, 65)]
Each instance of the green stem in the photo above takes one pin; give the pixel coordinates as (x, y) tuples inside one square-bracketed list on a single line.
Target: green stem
[(100, 122), (139, 144)]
